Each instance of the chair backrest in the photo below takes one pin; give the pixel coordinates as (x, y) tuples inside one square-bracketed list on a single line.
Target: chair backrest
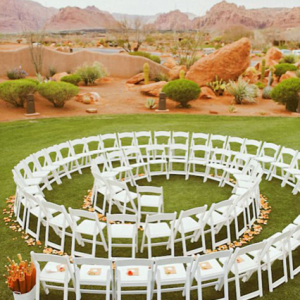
[(180, 137), (64, 150), (287, 155), (78, 146), (126, 139), (30, 165), (296, 162), (200, 139), (200, 152), (269, 149), (150, 189), (179, 150), (188, 260), (218, 141), (115, 185), (93, 143), (41, 159), (52, 153), (220, 156), (109, 140), (123, 262), (115, 156), (252, 147), (161, 217), (59, 209), (162, 137), (121, 218), (235, 144), (143, 138), (155, 151)]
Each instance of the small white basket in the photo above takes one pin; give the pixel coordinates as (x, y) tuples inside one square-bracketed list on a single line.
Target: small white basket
[(28, 296)]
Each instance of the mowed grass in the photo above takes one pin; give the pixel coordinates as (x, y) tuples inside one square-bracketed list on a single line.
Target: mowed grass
[(19, 139)]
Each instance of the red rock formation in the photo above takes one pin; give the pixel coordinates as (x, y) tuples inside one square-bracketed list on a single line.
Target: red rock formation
[(227, 63)]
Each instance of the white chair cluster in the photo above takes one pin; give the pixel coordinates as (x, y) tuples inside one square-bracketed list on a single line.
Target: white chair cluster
[(117, 160)]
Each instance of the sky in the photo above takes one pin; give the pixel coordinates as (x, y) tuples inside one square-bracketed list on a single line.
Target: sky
[(151, 7)]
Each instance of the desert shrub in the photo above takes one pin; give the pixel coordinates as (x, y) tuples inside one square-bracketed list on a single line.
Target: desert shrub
[(154, 58), (298, 73), (150, 103), (289, 59), (16, 73), (90, 73), (161, 77), (281, 69), (242, 91), (15, 92), (58, 92), (287, 93), (188, 61), (73, 79), (260, 85), (266, 94), (182, 91), (218, 86)]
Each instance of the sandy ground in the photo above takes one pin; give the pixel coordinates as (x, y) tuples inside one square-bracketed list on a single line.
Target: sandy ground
[(118, 98)]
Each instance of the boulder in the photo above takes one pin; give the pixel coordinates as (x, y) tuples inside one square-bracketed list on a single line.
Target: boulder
[(175, 72), (227, 63), (273, 56), (153, 89), (251, 74), (288, 75), (88, 98), (136, 79), (207, 93), (297, 64), (91, 110), (170, 63), (59, 76)]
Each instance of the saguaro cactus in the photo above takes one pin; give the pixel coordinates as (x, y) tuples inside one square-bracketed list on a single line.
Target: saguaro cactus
[(146, 69), (263, 69)]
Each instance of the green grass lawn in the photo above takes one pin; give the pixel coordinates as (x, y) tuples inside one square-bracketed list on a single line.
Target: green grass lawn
[(19, 139)]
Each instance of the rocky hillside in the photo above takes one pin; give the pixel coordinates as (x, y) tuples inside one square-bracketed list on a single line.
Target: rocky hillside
[(75, 18), (23, 15)]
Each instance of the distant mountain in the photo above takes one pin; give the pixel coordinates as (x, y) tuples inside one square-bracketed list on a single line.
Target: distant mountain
[(23, 15), (145, 19), (75, 18)]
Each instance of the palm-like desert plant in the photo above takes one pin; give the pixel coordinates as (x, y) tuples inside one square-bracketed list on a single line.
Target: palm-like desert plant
[(242, 91)]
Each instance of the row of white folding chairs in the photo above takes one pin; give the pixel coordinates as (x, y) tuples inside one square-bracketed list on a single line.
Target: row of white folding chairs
[(161, 274)]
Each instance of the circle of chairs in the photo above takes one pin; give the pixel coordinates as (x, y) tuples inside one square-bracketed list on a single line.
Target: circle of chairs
[(118, 162)]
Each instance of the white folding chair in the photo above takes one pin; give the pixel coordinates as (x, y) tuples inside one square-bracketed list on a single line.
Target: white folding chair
[(235, 145), (143, 139), (252, 148), (156, 156), (180, 137), (208, 271), (296, 189), (59, 220), (199, 156), (267, 155), (284, 160), (79, 149), (109, 142), (163, 138), (178, 155), (86, 231), (190, 229), (200, 139), (126, 140), (134, 273), (94, 146), (120, 195), (217, 141), (57, 271), (220, 159), (122, 231), (173, 271), (156, 227), (291, 172), (242, 265), (94, 272), (150, 197)]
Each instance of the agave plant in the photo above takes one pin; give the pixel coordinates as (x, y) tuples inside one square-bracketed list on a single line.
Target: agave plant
[(242, 91), (150, 103), (218, 86)]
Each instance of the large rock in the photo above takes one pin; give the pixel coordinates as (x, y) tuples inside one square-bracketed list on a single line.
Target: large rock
[(59, 76), (170, 63), (136, 78), (273, 56), (288, 75), (153, 89), (175, 72), (88, 98), (207, 93), (227, 63)]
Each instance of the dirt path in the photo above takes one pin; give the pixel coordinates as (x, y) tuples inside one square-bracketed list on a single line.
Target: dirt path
[(117, 98)]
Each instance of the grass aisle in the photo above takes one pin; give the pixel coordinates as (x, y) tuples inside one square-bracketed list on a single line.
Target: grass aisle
[(19, 139)]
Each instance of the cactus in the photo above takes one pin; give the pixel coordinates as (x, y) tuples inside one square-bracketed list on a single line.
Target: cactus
[(146, 70), (182, 74), (263, 69), (266, 94)]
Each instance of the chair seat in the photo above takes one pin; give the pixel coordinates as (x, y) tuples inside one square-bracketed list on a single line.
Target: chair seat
[(40, 174), (158, 230), (280, 165), (123, 230), (265, 159), (274, 254), (150, 200), (36, 211), (157, 161), (122, 169), (86, 279), (180, 273), (242, 177), (238, 210), (137, 165), (141, 278), (33, 189), (246, 264), (122, 196), (215, 218), (215, 166), (51, 273), (197, 162), (59, 221), (232, 170), (33, 181), (188, 225), (210, 268), (93, 152), (178, 160), (49, 168), (104, 190), (293, 171), (88, 227)]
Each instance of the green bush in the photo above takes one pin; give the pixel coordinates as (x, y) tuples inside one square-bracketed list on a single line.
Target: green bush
[(73, 79), (286, 93), (281, 69), (289, 59), (242, 91), (260, 85), (90, 73), (58, 92), (298, 73), (182, 91), (161, 77), (154, 58), (16, 73), (15, 92)]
